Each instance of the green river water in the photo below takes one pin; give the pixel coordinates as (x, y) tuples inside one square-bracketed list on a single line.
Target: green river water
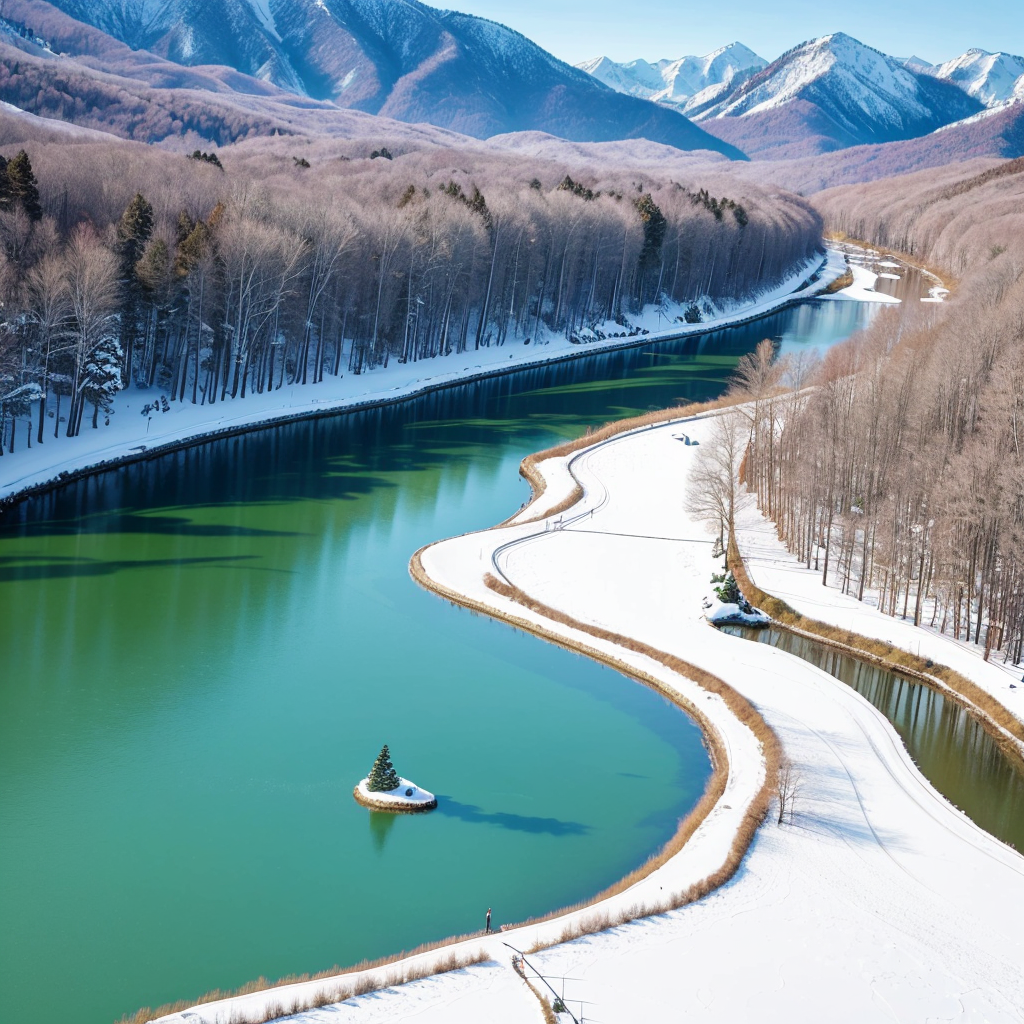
[(203, 653)]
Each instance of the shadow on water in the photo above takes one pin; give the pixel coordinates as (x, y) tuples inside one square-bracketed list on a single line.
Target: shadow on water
[(381, 825), (949, 746), (22, 568), (131, 522), (451, 808)]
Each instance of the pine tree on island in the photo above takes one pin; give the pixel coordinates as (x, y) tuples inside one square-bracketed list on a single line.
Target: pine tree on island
[(383, 777)]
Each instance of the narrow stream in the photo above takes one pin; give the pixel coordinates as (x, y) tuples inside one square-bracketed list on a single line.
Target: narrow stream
[(948, 745)]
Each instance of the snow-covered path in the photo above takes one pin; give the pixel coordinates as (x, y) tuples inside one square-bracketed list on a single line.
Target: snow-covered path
[(879, 902)]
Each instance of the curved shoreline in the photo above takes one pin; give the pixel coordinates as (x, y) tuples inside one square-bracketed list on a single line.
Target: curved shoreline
[(712, 738), (805, 291), (606, 646), (577, 920)]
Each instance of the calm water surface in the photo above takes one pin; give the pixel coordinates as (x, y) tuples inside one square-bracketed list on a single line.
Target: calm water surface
[(951, 749), (205, 652)]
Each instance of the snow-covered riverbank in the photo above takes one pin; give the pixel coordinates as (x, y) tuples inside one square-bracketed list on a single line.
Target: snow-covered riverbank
[(878, 901), (781, 574), (133, 433)]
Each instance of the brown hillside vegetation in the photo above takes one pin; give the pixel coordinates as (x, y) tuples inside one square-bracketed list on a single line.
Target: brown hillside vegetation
[(981, 143)]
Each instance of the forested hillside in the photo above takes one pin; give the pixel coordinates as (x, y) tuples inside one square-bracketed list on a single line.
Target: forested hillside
[(278, 262), (901, 472)]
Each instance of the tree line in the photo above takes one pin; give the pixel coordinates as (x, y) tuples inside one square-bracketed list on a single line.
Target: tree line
[(215, 276), (895, 467)]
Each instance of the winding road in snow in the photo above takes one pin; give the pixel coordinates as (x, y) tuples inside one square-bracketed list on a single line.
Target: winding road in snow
[(880, 902)]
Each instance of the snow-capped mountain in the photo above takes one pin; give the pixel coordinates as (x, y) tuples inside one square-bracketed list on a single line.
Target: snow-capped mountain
[(678, 82), (916, 64), (991, 78), (397, 58), (833, 92), (634, 77)]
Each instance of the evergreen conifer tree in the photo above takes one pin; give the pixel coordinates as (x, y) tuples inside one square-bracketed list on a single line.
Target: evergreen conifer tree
[(192, 248), (655, 225), (101, 377), (185, 226), (133, 231), (383, 776), (22, 186), (6, 200)]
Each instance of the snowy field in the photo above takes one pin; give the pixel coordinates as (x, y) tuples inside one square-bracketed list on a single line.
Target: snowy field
[(863, 287), (132, 434), (879, 901)]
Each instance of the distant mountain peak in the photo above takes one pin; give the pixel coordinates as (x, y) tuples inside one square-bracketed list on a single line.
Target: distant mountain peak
[(991, 78), (829, 93), (676, 82)]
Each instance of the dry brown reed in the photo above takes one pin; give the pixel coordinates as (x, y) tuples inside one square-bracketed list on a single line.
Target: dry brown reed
[(289, 1005), (840, 283), (996, 720), (545, 1007)]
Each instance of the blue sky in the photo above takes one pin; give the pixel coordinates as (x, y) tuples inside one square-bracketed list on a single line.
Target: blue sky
[(622, 30)]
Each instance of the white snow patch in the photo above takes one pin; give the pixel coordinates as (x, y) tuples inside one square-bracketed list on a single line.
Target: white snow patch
[(261, 8), (721, 613), (863, 287)]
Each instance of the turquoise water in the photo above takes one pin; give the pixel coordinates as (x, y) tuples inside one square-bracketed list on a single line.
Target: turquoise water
[(203, 654)]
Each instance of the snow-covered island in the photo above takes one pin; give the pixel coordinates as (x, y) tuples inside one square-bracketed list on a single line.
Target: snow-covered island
[(405, 797), (385, 790)]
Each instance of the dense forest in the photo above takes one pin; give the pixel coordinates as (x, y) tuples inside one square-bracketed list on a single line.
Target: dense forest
[(896, 467), (276, 262)]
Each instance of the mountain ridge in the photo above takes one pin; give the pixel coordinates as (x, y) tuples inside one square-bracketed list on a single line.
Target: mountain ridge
[(677, 83), (394, 58), (835, 92)]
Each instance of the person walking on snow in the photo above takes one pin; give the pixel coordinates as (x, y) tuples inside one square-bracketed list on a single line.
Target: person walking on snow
[(488, 927)]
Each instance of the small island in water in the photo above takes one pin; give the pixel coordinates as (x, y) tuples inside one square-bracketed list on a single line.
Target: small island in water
[(384, 790)]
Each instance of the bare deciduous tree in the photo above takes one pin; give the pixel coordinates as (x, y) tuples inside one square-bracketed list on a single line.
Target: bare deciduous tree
[(713, 488), (790, 783)]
